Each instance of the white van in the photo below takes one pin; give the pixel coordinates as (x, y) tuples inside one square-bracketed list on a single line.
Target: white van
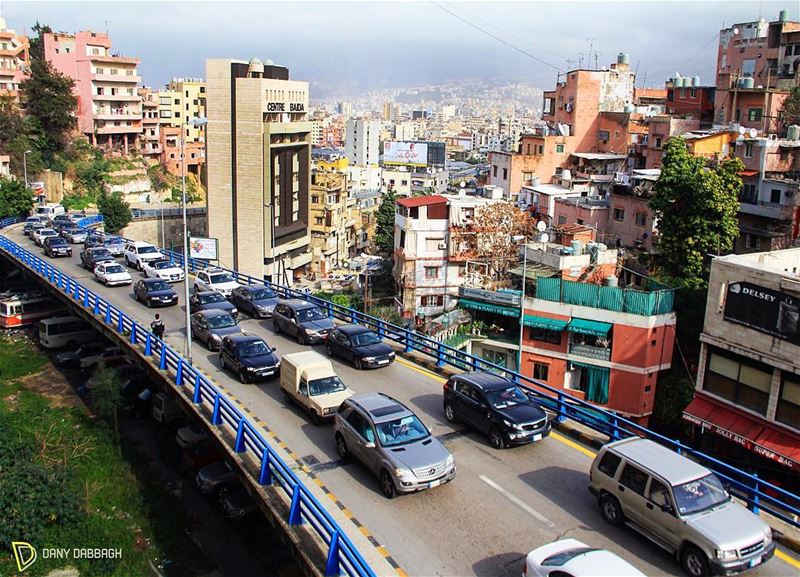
[(309, 380), (61, 332), (49, 210)]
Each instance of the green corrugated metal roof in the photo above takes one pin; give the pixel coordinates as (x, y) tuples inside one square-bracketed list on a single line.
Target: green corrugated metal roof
[(488, 307), (587, 327), (544, 323)]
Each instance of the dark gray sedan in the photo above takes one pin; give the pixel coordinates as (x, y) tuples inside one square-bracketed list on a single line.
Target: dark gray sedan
[(210, 326), (210, 300), (256, 300)]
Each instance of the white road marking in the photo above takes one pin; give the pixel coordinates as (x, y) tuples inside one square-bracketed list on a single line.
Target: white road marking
[(518, 502)]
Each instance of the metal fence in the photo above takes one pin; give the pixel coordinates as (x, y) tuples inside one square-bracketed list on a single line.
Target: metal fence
[(138, 213), (304, 507)]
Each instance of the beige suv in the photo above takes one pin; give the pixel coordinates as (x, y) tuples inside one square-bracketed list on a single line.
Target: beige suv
[(680, 505)]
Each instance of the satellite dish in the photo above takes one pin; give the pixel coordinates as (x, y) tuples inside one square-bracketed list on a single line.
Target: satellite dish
[(544, 237), (753, 133), (541, 226), (741, 130), (735, 30), (463, 184)]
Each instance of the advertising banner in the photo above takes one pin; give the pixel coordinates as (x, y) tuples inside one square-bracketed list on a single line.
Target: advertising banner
[(204, 248), (405, 153), (765, 310)]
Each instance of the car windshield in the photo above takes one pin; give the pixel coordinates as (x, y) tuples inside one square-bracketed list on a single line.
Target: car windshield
[(562, 557), (312, 314), (162, 264), (211, 298), (365, 339), (401, 431), (58, 240), (221, 321), (220, 278), (48, 232), (699, 495), (325, 386), (147, 249), (253, 349), (262, 294), (99, 253), (158, 285), (112, 241), (114, 268), (508, 397)]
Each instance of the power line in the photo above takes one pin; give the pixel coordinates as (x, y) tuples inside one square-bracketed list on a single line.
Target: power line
[(512, 46)]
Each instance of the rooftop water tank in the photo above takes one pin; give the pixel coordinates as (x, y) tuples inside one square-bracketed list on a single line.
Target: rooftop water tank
[(623, 58), (628, 108), (610, 280), (566, 174), (783, 16), (695, 81)]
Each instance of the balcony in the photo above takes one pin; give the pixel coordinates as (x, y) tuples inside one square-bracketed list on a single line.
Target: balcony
[(589, 351), (135, 128), (771, 210), (127, 78), (118, 97)]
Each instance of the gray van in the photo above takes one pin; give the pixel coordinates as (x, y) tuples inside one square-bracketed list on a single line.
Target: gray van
[(679, 505)]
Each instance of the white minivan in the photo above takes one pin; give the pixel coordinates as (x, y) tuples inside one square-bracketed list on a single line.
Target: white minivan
[(61, 332), (50, 210)]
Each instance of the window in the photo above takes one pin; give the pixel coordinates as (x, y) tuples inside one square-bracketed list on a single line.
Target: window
[(609, 464), (494, 170), (748, 149), (640, 219), (775, 196), (693, 93), (562, 219), (505, 174), (741, 381), (749, 193), (603, 135), (541, 371), (659, 493), (315, 198), (754, 114), (789, 401), (546, 335), (752, 241), (319, 220), (658, 142), (432, 301), (541, 149), (431, 272), (633, 478), (560, 148), (619, 214)]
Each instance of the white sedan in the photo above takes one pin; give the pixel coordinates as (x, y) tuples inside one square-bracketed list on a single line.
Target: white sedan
[(112, 274), (571, 558), (163, 269)]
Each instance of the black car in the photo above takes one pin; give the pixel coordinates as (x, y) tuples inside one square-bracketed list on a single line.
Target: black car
[(496, 407), (92, 256), (360, 346), (236, 502), (249, 356), (154, 291), (256, 300), (207, 300), (93, 240), (56, 246), (305, 321)]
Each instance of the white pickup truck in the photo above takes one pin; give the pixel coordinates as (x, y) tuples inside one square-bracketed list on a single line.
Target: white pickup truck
[(309, 380)]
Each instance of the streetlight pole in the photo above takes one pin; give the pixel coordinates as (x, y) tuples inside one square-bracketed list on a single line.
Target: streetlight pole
[(187, 351), (25, 165), (522, 300)]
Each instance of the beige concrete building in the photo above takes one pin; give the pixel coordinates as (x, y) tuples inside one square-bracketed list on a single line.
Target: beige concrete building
[(330, 220), (258, 143), (182, 100)]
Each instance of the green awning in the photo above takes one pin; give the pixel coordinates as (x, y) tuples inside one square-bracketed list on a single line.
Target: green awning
[(544, 323), (587, 327), (488, 307)]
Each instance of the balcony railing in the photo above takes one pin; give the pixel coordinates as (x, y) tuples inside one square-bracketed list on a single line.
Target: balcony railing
[(599, 353)]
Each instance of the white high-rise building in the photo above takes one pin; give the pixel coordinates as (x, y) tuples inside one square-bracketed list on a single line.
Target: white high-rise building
[(362, 140)]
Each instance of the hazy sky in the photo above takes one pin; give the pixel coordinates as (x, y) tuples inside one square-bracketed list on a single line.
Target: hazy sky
[(351, 46)]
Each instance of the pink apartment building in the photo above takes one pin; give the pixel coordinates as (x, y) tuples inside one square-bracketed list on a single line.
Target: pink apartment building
[(14, 59), (106, 84)]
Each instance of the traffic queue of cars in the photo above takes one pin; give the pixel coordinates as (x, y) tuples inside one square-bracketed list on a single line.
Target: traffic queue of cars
[(675, 502)]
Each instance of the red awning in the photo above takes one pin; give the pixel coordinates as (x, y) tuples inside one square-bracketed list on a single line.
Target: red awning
[(754, 434), (748, 173)]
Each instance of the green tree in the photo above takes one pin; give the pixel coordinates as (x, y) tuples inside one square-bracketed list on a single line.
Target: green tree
[(107, 395), (384, 222), (115, 210), (15, 198), (673, 393), (696, 206), (790, 110)]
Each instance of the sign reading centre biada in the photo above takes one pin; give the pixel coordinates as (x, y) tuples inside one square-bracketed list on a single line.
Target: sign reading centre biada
[(768, 311)]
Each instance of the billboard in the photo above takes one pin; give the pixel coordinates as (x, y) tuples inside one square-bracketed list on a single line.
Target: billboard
[(765, 310), (405, 153), (204, 248)]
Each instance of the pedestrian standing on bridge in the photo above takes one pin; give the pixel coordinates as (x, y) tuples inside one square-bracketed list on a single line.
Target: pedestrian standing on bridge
[(157, 326)]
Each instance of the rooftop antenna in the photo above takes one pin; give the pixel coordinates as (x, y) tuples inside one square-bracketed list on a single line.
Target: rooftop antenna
[(591, 45), (106, 23)]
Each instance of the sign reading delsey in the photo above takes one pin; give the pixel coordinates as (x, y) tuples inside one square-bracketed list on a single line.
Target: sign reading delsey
[(765, 310), (286, 107)]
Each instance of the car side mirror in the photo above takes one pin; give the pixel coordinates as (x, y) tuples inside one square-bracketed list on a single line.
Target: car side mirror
[(273, 349), (369, 445), (667, 508)]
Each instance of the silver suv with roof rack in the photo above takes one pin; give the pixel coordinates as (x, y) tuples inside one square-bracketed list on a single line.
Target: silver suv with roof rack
[(392, 442), (679, 505)]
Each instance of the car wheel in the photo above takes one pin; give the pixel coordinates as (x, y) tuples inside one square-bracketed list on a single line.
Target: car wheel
[(328, 350), (149, 303), (694, 562), (341, 447), (243, 377), (387, 485), (210, 344), (450, 413), (611, 509), (301, 340), (127, 262), (276, 327), (358, 364), (496, 438)]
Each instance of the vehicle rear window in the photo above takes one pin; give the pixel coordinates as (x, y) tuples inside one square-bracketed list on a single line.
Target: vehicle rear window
[(609, 463)]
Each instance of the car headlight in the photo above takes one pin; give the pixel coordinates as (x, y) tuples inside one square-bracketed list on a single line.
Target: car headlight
[(234, 311), (725, 554), (768, 538), (508, 423), (451, 460), (403, 472), (216, 338), (311, 333), (368, 359)]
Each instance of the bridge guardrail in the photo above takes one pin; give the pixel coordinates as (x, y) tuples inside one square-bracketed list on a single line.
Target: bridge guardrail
[(757, 493), (342, 555)]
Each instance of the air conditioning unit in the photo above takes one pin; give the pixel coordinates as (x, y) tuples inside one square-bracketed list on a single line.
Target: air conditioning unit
[(773, 137), (442, 245)]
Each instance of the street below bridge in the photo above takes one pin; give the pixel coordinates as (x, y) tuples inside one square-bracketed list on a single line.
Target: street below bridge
[(501, 504)]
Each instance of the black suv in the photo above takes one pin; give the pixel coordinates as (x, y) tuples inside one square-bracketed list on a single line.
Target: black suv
[(496, 407), (91, 257), (305, 321), (359, 345), (249, 356), (56, 246)]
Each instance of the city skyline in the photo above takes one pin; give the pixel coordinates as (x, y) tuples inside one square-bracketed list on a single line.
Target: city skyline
[(441, 41)]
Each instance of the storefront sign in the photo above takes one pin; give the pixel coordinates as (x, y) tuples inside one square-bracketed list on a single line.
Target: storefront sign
[(286, 107), (765, 310)]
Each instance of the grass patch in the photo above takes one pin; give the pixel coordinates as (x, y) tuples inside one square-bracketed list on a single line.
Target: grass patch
[(122, 502)]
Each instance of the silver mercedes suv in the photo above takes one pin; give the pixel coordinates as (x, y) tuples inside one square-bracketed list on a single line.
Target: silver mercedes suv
[(680, 505), (393, 443)]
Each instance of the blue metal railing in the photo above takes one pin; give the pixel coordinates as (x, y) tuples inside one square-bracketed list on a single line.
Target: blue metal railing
[(342, 556), (757, 493), (88, 221)]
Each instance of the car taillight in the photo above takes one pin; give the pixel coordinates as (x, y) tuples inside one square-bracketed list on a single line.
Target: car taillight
[(446, 386), (525, 569)]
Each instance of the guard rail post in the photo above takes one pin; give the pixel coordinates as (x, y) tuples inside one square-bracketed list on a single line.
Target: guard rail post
[(562, 409), (179, 373), (294, 509), (265, 477), (239, 445), (148, 345), (162, 362), (216, 419), (754, 495), (198, 393), (439, 355), (332, 566)]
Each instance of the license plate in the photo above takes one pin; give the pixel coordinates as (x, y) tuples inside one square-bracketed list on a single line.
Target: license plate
[(435, 483), (755, 562), (383, 362), (537, 437)]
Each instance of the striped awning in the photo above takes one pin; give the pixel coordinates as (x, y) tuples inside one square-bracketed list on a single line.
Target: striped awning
[(544, 323), (488, 307), (587, 327)]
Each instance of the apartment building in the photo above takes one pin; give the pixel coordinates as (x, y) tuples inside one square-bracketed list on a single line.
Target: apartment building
[(14, 60), (362, 141), (330, 221), (747, 399), (182, 100), (258, 143), (106, 84), (150, 143)]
